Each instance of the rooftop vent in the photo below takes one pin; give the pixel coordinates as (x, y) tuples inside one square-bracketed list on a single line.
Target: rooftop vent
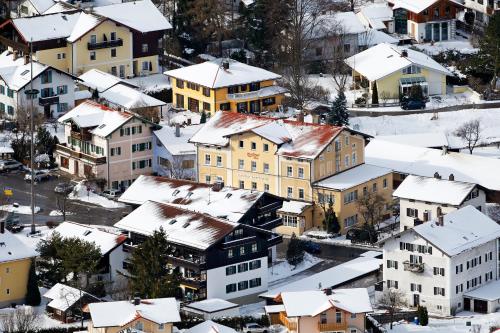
[(451, 177), (225, 64), (404, 53), (436, 175)]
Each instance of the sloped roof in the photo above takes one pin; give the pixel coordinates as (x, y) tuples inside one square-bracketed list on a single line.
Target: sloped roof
[(13, 249), (341, 22), (426, 161), (210, 74), (104, 240), (41, 5), (91, 114), (63, 297), (112, 314), (376, 14), (177, 145), (462, 230), (209, 326), (140, 15), (229, 203), (18, 76), (300, 140), (212, 305), (97, 79), (353, 177), (182, 226), (441, 191), (129, 98), (416, 6), (384, 59)]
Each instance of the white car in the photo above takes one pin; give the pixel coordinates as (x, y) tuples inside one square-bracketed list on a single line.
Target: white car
[(254, 328), (39, 176), (111, 194), (10, 165)]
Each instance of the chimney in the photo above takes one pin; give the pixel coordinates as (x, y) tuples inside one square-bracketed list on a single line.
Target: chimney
[(439, 212), (137, 300), (26, 59), (404, 53), (445, 150), (218, 185), (440, 220), (225, 64), (15, 55), (451, 177), (436, 175), (300, 117), (2, 227), (328, 291), (177, 130)]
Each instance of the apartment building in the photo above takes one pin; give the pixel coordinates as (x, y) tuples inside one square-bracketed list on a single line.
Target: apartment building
[(105, 143), (445, 263), (422, 199), (285, 158), (315, 311), (122, 39), (225, 84), (482, 10), (56, 89)]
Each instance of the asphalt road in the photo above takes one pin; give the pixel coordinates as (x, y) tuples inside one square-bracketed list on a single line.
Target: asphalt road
[(45, 198)]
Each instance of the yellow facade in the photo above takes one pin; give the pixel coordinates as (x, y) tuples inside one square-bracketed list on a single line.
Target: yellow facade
[(14, 281), (198, 98), (141, 324)]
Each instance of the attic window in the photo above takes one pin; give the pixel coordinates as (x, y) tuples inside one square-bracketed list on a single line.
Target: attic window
[(465, 238), (186, 225), (86, 233), (25, 72), (172, 222), (189, 194), (175, 193), (228, 195), (390, 56), (102, 126)]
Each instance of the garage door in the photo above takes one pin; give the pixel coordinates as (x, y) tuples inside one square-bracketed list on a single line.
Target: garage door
[(480, 306)]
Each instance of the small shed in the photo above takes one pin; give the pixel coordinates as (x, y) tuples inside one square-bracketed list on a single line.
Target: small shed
[(6, 153), (212, 308)]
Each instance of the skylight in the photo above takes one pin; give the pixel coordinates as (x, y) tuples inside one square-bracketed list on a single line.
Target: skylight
[(86, 233), (102, 126), (25, 72), (186, 225), (175, 193), (172, 222)]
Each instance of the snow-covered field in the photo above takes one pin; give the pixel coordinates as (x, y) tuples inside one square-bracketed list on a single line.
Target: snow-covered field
[(460, 45), (284, 269), (80, 193), (447, 123)]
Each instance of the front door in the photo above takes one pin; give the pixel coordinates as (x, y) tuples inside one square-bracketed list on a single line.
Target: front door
[(255, 107), (46, 112), (416, 300), (466, 304), (76, 167)]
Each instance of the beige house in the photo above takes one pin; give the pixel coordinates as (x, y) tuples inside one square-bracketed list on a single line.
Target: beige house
[(315, 311), (145, 316), (105, 143)]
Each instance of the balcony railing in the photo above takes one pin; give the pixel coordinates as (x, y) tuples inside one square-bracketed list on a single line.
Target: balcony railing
[(13, 44), (105, 44), (292, 326), (413, 267), (187, 261), (261, 93), (329, 327), (194, 282), (274, 240), (43, 101), (82, 136), (77, 154), (270, 207), (272, 223)]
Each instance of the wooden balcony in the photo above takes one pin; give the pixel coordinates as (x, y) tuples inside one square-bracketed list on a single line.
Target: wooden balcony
[(14, 45), (43, 101), (413, 267), (290, 325), (105, 44), (82, 136), (329, 327), (65, 150)]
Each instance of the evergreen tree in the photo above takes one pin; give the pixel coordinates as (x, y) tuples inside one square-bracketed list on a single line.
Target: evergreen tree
[(45, 142), (423, 316), (375, 93), (488, 58), (331, 222), (33, 297), (295, 251), (203, 117), (416, 93), (148, 274), (338, 115)]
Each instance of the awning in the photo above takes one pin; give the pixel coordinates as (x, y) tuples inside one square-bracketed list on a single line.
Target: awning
[(410, 81)]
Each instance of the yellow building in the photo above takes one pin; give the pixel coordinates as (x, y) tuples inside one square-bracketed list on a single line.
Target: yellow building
[(396, 69), (227, 85), (147, 316), (15, 262), (122, 39), (287, 158)]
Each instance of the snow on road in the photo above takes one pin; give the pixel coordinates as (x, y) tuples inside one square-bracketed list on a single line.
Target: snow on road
[(80, 193), (283, 269)]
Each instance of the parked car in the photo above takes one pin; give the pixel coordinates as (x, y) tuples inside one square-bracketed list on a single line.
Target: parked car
[(40, 175), (254, 328), (312, 247), (64, 188), (413, 105), (10, 165), (111, 194)]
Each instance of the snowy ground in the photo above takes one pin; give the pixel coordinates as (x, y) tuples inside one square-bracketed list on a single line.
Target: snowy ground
[(447, 123), (20, 209), (460, 45), (479, 324), (59, 213), (80, 193), (283, 269)]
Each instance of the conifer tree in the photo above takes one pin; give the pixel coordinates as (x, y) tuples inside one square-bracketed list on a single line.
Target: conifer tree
[(331, 222), (33, 297), (375, 93), (203, 117), (338, 115), (295, 251)]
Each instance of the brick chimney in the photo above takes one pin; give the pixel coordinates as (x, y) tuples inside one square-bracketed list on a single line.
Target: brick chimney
[(451, 177)]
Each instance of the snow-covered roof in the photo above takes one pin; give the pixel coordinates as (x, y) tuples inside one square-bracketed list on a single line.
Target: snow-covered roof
[(428, 140), (294, 207), (329, 278), (59, 7), (230, 203), (426, 161), (13, 248), (341, 22), (374, 37), (63, 297), (413, 6), (112, 314), (375, 15), (274, 308), (462, 230), (129, 98), (488, 292), (91, 114), (151, 83), (178, 145), (211, 74), (211, 305), (97, 79), (6, 150), (384, 59), (353, 177), (209, 326), (140, 15), (313, 302), (105, 241), (349, 22), (431, 189), (300, 140), (182, 226), (41, 5), (18, 75)]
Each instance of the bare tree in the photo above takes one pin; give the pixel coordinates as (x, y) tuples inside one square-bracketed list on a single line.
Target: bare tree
[(176, 168), (470, 132), (22, 319), (145, 111), (339, 70), (392, 300), (62, 200), (371, 206)]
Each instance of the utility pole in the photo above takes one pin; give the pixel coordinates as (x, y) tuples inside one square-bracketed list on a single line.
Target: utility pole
[(31, 94)]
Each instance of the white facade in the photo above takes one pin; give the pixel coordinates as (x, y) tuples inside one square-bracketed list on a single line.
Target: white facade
[(441, 30), (217, 280), (482, 9), (439, 271)]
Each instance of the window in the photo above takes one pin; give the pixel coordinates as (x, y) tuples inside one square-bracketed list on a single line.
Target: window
[(255, 282), (179, 83), (179, 100), (241, 144), (411, 212), (289, 171), (206, 92), (207, 159), (346, 161), (242, 184), (161, 327), (225, 106), (207, 179), (289, 192), (241, 164), (113, 35), (254, 186), (438, 271), (93, 39), (207, 106), (338, 317), (144, 48), (374, 187), (62, 107), (384, 183), (230, 270), (254, 166), (92, 55), (350, 197), (62, 90), (231, 288), (266, 167), (392, 264), (46, 77), (347, 48), (290, 221), (266, 147), (438, 291), (61, 56), (243, 267), (253, 146), (269, 101), (266, 187), (301, 193), (242, 285), (350, 221), (392, 284), (354, 158), (2, 90), (230, 253), (10, 110), (301, 173), (413, 69), (113, 53), (254, 248), (219, 160), (146, 66)]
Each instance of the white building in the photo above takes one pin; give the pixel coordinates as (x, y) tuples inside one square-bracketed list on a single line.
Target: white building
[(482, 10), (212, 308), (56, 88), (422, 199), (174, 156), (377, 16), (437, 263)]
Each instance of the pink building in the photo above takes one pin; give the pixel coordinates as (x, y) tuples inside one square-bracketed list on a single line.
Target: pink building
[(105, 143)]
